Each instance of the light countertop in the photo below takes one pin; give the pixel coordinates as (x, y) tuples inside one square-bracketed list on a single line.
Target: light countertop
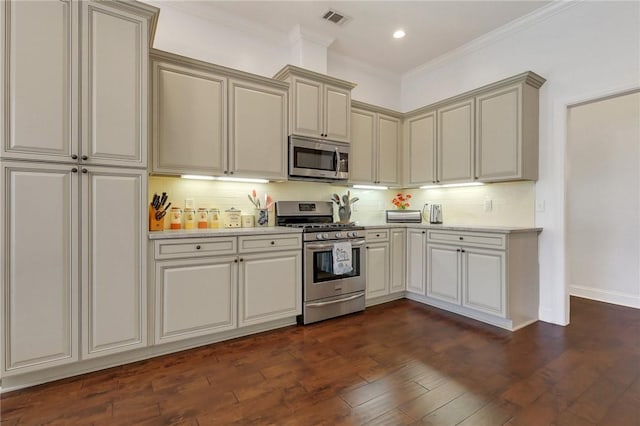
[(453, 227), (221, 232)]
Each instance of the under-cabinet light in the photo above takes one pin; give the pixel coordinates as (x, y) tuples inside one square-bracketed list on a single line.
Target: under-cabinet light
[(197, 177), (245, 180), (452, 185), (369, 187)]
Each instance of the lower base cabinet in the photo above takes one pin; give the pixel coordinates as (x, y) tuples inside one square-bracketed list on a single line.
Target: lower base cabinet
[(416, 260), (377, 262)]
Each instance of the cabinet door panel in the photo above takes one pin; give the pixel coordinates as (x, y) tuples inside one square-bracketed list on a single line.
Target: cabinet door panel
[(189, 120), (443, 272), (388, 141), (114, 86), (114, 260), (377, 270), (484, 281), (422, 149), (416, 260), (40, 267), (398, 260), (337, 107), (455, 142), (499, 141), (258, 139), (40, 121), (270, 286), (307, 113), (195, 297), (361, 151)]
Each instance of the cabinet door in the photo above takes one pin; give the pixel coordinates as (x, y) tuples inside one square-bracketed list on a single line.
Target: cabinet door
[(114, 83), (39, 254), (195, 297), (189, 120), (484, 281), (416, 260), (388, 149), (443, 273), (306, 113), (337, 113), (455, 142), (114, 279), (362, 149), (421, 152), (270, 287), (498, 134), (377, 269), (398, 260), (258, 130), (40, 82)]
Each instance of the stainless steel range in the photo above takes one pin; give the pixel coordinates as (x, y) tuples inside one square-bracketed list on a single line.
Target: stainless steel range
[(333, 260)]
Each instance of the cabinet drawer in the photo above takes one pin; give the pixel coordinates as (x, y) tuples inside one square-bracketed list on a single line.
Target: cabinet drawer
[(475, 239), (262, 243), (376, 235), (195, 247)]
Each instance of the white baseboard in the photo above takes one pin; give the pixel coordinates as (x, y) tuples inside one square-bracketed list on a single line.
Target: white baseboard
[(617, 298)]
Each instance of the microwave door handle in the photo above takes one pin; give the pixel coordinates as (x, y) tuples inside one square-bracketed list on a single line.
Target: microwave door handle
[(337, 162)]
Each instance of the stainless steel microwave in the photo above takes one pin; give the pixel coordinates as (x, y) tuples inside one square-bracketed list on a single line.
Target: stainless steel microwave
[(316, 159)]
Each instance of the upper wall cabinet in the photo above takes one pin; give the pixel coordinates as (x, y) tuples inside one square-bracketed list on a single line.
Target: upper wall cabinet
[(107, 60), (375, 145), (319, 105), (486, 135), (212, 120)]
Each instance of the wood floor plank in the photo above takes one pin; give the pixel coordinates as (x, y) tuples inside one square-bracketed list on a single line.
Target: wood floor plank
[(397, 363)]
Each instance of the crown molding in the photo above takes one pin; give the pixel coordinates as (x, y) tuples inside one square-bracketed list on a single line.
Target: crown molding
[(507, 30), (300, 33)]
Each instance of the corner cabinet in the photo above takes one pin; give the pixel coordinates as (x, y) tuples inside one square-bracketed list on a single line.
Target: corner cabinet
[(492, 277), (215, 121), (319, 105), (486, 135), (375, 145)]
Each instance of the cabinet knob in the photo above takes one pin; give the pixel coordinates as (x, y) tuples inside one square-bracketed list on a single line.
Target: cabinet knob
[(461, 238), (74, 157), (377, 235), (84, 157), (241, 260), (273, 243), (475, 177), (226, 172), (85, 171), (462, 250), (198, 247), (458, 250), (231, 172), (424, 232), (367, 247), (235, 260), (74, 170)]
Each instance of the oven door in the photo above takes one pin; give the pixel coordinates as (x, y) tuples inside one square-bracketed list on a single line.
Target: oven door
[(317, 159), (319, 279)]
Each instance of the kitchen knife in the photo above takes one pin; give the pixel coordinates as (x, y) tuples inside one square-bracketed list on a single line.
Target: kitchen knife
[(154, 203), (163, 199)]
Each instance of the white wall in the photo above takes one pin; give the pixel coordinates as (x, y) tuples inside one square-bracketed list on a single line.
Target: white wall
[(224, 41), (603, 200), (584, 50)]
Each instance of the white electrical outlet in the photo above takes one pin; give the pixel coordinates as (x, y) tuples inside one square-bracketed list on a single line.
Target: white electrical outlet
[(188, 203), (488, 205), (540, 205)]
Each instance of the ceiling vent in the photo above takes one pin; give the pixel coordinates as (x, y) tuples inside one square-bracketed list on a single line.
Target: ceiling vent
[(335, 17)]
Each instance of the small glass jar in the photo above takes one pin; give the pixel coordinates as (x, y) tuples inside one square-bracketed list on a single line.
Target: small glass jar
[(214, 217), (189, 218), (176, 217), (203, 218)]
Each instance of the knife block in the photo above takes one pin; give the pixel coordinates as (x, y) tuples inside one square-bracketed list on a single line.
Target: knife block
[(155, 225)]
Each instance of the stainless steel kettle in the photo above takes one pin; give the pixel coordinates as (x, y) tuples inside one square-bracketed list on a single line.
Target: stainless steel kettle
[(434, 211)]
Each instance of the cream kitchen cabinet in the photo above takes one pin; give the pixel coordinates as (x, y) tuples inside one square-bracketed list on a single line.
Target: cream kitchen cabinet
[(319, 105), (398, 260), (99, 47), (420, 155), (492, 277), (375, 146), (42, 259), (270, 278), (378, 263), (455, 139), (416, 260), (215, 121)]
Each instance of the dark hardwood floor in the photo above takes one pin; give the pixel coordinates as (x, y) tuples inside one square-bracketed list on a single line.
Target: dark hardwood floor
[(396, 364)]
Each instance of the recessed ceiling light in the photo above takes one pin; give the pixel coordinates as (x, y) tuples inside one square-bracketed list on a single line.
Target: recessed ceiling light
[(399, 34)]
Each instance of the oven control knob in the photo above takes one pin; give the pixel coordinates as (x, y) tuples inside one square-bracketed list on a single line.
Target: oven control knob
[(319, 237), (352, 234), (325, 236), (338, 235)]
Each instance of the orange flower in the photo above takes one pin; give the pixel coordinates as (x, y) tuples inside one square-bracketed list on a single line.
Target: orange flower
[(401, 201)]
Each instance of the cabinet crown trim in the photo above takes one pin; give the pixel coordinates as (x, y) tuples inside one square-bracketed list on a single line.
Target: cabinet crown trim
[(528, 77), (151, 13), (161, 55), (375, 108), (288, 70)]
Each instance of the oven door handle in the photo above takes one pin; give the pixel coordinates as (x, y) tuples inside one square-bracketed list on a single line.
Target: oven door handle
[(333, 302), (327, 246)]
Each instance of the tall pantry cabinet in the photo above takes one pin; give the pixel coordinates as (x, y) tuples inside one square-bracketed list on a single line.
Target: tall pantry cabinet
[(74, 182)]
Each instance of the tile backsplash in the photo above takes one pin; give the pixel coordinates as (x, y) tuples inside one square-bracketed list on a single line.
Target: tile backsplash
[(512, 204)]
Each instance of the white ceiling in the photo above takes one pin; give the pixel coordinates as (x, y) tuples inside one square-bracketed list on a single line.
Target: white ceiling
[(433, 27)]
